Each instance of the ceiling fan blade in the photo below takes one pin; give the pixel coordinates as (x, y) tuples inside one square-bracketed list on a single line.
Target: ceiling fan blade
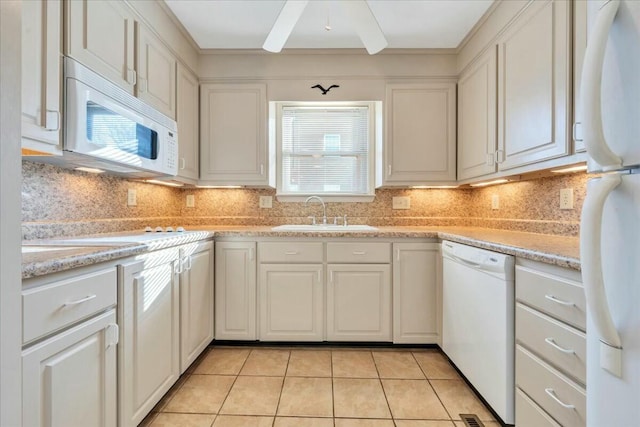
[(281, 30), (366, 25)]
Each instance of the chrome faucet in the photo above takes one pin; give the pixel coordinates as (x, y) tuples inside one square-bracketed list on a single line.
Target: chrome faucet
[(324, 208)]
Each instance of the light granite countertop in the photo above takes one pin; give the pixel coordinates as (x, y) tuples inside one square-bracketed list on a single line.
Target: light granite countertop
[(557, 250)]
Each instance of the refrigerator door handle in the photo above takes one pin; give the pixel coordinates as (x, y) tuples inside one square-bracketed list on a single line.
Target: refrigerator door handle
[(592, 277), (591, 86)]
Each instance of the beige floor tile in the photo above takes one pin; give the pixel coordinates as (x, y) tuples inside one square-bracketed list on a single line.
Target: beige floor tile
[(253, 396), (242, 421), (182, 420), (266, 363), (353, 364), (303, 422), (169, 395), (222, 361), (201, 394), (413, 399), (458, 398), (400, 365), (304, 363), (197, 362), (311, 397), (359, 398), (436, 366), (424, 423), (354, 422)]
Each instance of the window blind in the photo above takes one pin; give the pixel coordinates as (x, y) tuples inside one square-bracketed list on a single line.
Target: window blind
[(325, 150)]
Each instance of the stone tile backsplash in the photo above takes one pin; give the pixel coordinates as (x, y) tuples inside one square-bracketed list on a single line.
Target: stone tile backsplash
[(58, 202)]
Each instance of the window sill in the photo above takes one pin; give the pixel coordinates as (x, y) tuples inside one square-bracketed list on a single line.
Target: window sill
[(367, 198)]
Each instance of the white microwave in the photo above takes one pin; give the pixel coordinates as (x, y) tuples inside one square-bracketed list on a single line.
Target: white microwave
[(109, 129)]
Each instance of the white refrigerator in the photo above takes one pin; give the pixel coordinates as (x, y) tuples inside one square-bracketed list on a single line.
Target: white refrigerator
[(610, 223)]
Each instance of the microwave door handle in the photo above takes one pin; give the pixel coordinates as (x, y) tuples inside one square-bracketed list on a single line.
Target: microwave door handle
[(591, 86), (598, 190)]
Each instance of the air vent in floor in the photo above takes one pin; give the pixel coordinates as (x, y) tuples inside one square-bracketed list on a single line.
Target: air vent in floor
[(471, 420)]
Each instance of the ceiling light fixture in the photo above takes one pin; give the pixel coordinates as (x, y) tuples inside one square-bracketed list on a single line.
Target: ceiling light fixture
[(484, 184), (360, 14), (571, 169)]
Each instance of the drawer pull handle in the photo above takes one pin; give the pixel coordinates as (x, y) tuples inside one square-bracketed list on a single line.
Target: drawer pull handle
[(79, 301), (559, 301), (291, 253), (553, 344), (359, 253), (551, 392)]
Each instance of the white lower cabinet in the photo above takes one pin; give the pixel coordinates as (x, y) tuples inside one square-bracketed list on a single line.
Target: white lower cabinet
[(196, 301), (415, 293), (235, 291), (149, 319), (70, 338), (291, 302), (359, 302)]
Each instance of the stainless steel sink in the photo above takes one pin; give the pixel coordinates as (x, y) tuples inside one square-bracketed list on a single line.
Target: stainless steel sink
[(320, 228)]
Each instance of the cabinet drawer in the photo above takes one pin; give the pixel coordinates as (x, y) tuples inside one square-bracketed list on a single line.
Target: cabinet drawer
[(528, 414), (349, 253), (290, 252), (558, 297), (551, 390), (55, 305), (562, 346)]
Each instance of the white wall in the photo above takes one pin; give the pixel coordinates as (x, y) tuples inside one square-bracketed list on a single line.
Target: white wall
[(10, 256)]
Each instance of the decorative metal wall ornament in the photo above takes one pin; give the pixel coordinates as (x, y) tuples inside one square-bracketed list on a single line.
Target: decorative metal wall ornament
[(324, 91)]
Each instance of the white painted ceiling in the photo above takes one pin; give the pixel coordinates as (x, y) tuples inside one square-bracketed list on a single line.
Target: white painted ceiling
[(245, 24)]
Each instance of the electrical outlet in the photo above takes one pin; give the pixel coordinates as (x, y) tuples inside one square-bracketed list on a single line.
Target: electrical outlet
[(131, 197), (266, 202), (566, 198), (191, 201), (495, 201), (401, 202)]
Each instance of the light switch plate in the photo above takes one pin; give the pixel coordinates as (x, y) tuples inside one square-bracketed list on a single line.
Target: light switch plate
[(191, 201), (266, 202), (401, 203), (131, 197), (495, 201)]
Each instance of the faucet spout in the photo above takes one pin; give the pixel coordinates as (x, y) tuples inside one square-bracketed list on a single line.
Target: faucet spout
[(324, 208)]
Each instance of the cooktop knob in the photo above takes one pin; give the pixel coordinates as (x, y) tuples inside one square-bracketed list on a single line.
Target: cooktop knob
[(159, 229), (180, 229), (169, 229), (148, 229)]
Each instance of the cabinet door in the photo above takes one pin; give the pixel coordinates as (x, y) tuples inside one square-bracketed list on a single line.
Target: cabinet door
[(196, 301), (579, 48), (291, 302), (359, 302), (156, 68), (533, 85), (420, 146), (41, 76), (235, 291), (233, 126), (187, 118), (415, 293), (477, 113), (149, 318), (100, 36), (70, 379)]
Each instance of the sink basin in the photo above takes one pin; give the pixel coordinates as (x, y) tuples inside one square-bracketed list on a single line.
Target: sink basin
[(320, 228), (33, 249)]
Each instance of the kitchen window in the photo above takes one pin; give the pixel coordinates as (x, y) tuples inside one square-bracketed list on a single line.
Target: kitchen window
[(325, 149)]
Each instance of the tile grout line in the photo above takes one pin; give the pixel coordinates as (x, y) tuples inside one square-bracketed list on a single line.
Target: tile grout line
[(281, 389), (433, 388), (386, 399), (232, 384)]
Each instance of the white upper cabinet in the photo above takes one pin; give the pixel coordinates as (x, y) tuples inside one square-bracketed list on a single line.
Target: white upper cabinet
[(187, 118), (579, 48), (41, 75), (233, 134), (534, 85), (420, 143), (100, 34), (477, 111), (156, 72)]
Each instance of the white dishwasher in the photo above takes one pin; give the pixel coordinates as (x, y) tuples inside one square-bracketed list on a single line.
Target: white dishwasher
[(478, 321)]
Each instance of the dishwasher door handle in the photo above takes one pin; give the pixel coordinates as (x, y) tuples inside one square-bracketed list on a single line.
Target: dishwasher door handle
[(464, 261)]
